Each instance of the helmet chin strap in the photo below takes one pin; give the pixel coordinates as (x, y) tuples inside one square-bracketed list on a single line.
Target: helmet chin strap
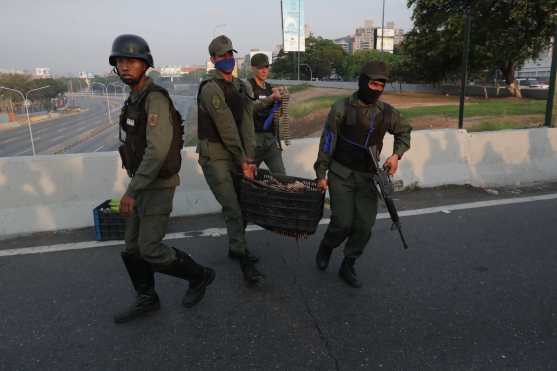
[(129, 82)]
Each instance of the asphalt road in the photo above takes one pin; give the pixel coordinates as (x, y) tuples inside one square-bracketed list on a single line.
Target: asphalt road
[(108, 140), (47, 134), (475, 291)]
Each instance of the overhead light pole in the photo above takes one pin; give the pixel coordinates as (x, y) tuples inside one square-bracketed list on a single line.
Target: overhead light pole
[(26, 104), (107, 101)]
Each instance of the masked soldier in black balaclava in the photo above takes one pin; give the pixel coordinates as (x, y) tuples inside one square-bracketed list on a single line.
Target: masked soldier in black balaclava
[(344, 165)]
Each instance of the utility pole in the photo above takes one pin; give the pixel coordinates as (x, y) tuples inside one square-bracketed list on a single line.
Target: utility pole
[(382, 30), (551, 108), (299, 34), (467, 30)]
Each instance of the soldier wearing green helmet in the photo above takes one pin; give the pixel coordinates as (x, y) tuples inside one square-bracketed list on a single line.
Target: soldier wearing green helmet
[(151, 132), (343, 165)]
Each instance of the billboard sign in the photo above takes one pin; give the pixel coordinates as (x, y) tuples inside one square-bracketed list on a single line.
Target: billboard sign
[(293, 38)]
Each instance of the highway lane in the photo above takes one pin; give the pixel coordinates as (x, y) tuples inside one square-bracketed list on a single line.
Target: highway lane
[(107, 140), (476, 290), (46, 134)]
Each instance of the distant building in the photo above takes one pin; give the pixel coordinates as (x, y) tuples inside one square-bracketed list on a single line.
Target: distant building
[(42, 73), (307, 31), (539, 68), (86, 75), (370, 37), (190, 69), (346, 43), (364, 38), (210, 66), (170, 71), (13, 71), (399, 36)]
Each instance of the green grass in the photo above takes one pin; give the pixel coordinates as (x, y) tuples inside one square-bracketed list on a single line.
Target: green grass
[(495, 107), (498, 125), (297, 88), (306, 107)]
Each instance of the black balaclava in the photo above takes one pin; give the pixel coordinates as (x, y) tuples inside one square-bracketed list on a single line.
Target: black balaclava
[(365, 94)]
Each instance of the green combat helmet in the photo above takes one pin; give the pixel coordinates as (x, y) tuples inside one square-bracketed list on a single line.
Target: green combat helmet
[(130, 46)]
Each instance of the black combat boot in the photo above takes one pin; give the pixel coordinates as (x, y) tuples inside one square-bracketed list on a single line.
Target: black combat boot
[(251, 274), (235, 255), (347, 272), (142, 277), (186, 268), (323, 256)]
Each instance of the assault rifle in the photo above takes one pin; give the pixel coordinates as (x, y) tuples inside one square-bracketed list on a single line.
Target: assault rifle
[(384, 185)]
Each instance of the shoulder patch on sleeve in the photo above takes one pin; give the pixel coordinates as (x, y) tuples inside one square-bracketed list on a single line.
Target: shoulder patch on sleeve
[(216, 102), (153, 119)]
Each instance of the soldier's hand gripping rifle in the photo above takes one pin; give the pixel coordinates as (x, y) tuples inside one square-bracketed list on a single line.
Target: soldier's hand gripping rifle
[(385, 188)]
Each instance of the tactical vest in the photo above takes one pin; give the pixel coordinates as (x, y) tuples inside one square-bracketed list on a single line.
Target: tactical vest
[(357, 133), (235, 100), (260, 117), (133, 122)]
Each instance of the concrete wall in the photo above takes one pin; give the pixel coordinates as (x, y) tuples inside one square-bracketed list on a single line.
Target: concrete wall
[(59, 192)]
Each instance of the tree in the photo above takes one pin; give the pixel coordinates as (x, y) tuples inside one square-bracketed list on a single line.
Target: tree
[(284, 66), (25, 83), (505, 33), (353, 63), (322, 55)]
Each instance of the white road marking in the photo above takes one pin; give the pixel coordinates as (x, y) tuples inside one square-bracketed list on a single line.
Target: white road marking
[(9, 140), (22, 152), (220, 232)]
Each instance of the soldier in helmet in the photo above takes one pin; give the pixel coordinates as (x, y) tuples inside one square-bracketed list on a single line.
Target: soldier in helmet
[(267, 148), (152, 134), (353, 125), (226, 146)]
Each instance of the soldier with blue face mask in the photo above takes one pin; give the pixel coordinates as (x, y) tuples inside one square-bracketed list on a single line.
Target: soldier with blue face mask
[(227, 145)]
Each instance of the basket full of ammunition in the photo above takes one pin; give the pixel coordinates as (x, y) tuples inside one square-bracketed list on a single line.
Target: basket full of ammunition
[(283, 204)]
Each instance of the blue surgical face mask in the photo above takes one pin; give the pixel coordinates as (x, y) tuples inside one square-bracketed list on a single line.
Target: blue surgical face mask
[(226, 65)]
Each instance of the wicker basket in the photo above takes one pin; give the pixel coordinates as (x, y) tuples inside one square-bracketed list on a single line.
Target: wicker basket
[(270, 202)]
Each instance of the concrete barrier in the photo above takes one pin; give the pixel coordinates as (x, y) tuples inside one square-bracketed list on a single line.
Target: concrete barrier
[(47, 193)]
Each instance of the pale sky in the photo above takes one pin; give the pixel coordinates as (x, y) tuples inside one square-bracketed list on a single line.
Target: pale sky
[(76, 35)]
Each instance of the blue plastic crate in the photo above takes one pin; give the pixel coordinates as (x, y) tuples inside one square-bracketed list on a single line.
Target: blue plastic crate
[(108, 224)]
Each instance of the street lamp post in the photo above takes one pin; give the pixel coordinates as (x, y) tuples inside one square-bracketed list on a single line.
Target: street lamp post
[(107, 102), (26, 105), (382, 29), (118, 85), (310, 71)]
